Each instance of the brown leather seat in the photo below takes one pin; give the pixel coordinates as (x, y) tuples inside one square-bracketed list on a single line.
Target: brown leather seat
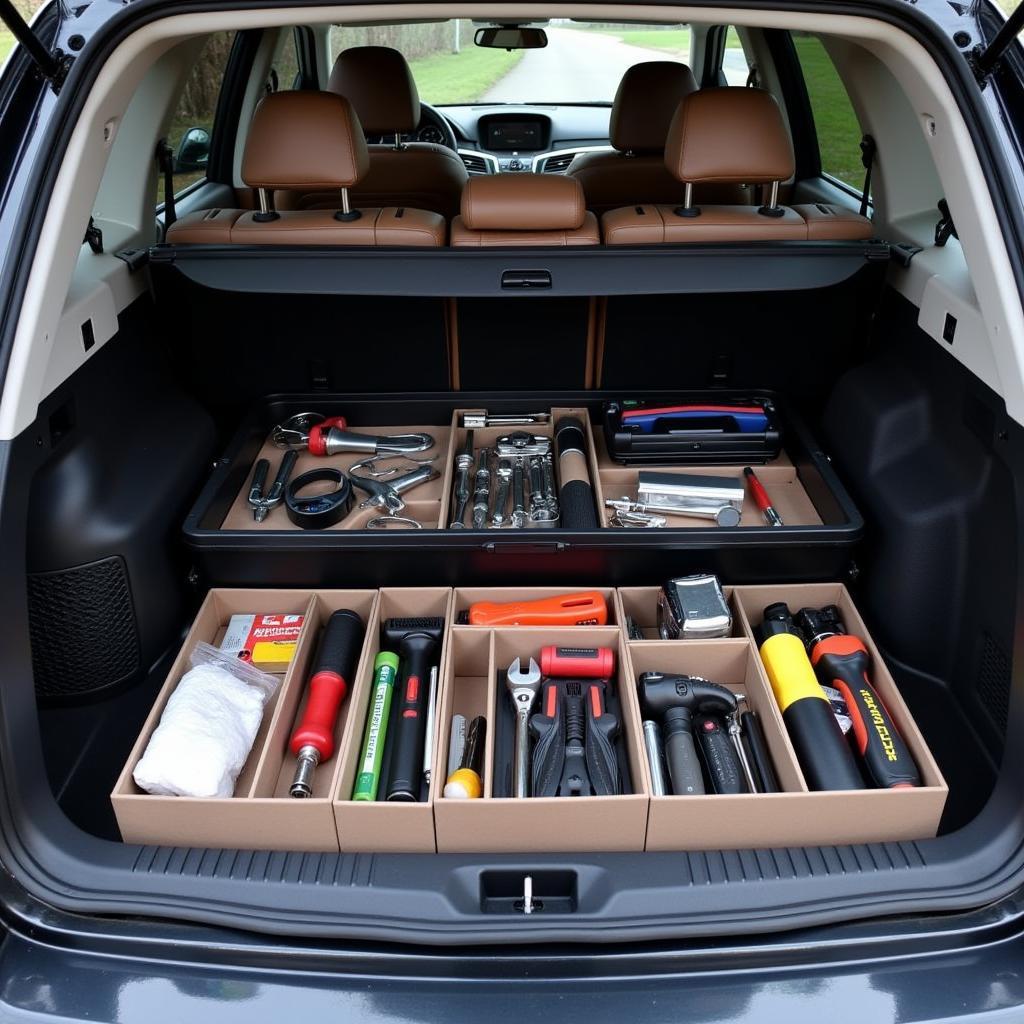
[(728, 136), (307, 140), (642, 110), (378, 83), (524, 209)]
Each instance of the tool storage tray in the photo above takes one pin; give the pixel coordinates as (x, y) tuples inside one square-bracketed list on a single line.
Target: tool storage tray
[(472, 662), (231, 548)]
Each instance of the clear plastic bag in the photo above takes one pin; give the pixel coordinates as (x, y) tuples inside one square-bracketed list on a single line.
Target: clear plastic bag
[(207, 728)]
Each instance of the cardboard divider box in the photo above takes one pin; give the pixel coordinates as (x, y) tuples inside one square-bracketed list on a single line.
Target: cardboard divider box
[(779, 477), (639, 605), (423, 502), (487, 437), (384, 826), (534, 824), (869, 815), (721, 821), (257, 816), (467, 596)]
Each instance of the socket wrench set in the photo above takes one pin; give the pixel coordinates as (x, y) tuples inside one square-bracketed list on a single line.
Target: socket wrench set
[(690, 715), (454, 474)]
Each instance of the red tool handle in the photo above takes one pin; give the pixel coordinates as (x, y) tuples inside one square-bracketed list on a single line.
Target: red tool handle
[(328, 685), (577, 662), (842, 661), (757, 490), (318, 434)]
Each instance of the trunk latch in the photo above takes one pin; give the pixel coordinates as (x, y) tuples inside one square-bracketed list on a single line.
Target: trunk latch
[(526, 279)]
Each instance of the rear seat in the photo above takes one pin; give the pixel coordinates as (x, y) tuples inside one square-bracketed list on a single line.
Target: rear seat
[(730, 135), (307, 141), (524, 209)]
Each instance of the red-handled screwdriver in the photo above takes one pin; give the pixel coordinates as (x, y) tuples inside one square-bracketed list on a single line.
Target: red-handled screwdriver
[(313, 738), (760, 495)]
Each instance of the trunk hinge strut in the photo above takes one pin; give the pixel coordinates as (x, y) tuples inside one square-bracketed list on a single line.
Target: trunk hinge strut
[(985, 59), (51, 66)]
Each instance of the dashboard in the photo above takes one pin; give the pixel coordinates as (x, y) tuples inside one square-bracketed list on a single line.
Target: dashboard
[(493, 137)]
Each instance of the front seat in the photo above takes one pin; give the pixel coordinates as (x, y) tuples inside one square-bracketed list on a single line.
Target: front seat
[(377, 81), (642, 110)]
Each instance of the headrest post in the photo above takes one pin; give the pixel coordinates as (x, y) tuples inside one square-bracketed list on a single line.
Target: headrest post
[(687, 209), (398, 140), (772, 209), (346, 212), (266, 200)]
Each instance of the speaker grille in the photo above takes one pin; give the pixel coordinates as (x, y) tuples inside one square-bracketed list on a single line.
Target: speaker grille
[(993, 680), (82, 628)]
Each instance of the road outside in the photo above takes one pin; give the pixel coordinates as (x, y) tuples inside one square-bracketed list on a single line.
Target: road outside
[(584, 66)]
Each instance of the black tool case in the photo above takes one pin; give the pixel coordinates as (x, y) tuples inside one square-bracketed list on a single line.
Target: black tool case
[(277, 554)]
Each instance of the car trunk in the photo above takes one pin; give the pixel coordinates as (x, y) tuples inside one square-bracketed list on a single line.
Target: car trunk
[(899, 481)]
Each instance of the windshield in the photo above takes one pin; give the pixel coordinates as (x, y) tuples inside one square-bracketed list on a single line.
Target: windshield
[(582, 63)]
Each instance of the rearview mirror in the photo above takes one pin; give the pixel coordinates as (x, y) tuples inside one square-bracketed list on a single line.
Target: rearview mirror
[(193, 151), (511, 37)]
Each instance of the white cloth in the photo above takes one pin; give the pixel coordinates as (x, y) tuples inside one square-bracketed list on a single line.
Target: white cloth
[(205, 734)]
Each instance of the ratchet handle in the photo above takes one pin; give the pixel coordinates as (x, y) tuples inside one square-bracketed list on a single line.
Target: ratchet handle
[(328, 685), (681, 754), (842, 661)]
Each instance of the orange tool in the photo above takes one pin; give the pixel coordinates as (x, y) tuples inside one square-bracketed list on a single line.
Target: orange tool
[(584, 609)]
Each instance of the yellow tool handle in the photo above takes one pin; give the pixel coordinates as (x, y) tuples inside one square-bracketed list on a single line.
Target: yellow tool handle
[(789, 670)]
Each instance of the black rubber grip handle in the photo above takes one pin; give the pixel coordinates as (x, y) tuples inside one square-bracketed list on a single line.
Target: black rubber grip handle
[(683, 765), (821, 748), (723, 766), (416, 653), (569, 436), (340, 645), (757, 745), (577, 503)]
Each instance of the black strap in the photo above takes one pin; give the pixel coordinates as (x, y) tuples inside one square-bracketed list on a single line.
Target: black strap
[(945, 229), (868, 150), (165, 161)]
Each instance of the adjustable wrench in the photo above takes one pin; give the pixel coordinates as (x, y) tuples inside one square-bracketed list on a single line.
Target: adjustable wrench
[(523, 688), (388, 496)]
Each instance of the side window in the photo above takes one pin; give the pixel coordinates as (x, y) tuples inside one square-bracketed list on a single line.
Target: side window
[(839, 132), (285, 74), (735, 62), (191, 123)]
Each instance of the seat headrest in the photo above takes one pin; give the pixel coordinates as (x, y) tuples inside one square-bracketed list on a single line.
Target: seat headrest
[(644, 103), (523, 202), (302, 140), (379, 84), (732, 134)]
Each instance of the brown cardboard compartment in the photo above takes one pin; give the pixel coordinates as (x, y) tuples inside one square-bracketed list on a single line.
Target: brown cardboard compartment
[(485, 437), (466, 596), (423, 502), (871, 815), (534, 825), (779, 478), (724, 821), (641, 605), (253, 818), (383, 827)]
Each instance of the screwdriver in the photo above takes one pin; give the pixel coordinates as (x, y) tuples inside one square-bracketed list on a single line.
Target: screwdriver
[(842, 661), (761, 499), (335, 662)]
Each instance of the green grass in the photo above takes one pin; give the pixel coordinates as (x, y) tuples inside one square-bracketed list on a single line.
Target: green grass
[(838, 130), (461, 77), (6, 44)]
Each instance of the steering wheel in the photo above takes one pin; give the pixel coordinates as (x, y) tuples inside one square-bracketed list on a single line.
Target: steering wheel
[(434, 127)]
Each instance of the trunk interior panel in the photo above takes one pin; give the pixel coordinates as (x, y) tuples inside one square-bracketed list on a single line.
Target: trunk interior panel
[(133, 477)]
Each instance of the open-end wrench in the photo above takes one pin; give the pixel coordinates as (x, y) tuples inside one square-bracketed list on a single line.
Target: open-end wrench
[(523, 688)]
